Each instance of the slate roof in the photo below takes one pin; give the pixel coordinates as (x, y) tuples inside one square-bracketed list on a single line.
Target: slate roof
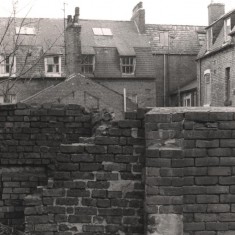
[(124, 41), (183, 39), (188, 87), (219, 43), (49, 32)]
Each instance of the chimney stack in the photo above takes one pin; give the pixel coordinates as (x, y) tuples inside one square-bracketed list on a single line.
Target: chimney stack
[(138, 16), (76, 16), (215, 11), (69, 19)]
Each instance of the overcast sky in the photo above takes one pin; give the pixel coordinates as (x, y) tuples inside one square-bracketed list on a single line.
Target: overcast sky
[(187, 12)]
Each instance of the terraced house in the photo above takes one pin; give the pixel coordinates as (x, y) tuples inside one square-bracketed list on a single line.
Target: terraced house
[(99, 63), (216, 60)]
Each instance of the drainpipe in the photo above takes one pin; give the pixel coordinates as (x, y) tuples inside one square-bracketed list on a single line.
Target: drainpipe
[(164, 80)]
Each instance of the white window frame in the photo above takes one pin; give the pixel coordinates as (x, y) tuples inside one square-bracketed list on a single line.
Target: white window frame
[(207, 89), (186, 98), (13, 99), (25, 30), (102, 31), (227, 23), (4, 64), (53, 73), (87, 64), (128, 63)]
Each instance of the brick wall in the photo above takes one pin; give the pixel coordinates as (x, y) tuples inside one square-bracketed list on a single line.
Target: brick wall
[(96, 186), (190, 171), (26, 134)]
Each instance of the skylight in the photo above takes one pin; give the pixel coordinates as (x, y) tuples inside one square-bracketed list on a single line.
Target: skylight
[(25, 30), (102, 31)]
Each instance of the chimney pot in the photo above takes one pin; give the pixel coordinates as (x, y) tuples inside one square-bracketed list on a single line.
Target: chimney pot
[(76, 16)]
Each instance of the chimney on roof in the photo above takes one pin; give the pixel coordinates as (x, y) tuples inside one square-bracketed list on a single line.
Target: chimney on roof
[(76, 16), (69, 19), (73, 44), (138, 16), (215, 11)]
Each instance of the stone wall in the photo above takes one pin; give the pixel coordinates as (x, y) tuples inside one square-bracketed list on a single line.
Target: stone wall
[(190, 171)]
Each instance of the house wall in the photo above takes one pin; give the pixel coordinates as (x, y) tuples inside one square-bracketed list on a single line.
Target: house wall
[(143, 88), (25, 88), (179, 70), (217, 63)]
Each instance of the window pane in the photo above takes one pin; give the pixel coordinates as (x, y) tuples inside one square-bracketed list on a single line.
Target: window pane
[(97, 31), (49, 68), (56, 60), (50, 60), (107, 31)]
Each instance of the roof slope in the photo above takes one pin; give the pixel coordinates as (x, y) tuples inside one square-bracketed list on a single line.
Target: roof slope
[(124, 35), (183, 39), (219, 41), (78, 89), (49, 33)]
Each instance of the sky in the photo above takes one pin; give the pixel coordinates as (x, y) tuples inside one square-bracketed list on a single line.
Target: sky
[(186, 12)]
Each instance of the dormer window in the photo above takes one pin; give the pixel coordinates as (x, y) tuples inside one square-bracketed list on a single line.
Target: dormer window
[(53, 66), (88, 64), (7, 66), (128, 64), (227, 29)]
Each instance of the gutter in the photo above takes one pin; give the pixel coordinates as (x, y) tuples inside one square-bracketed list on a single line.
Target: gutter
[(215, 51)]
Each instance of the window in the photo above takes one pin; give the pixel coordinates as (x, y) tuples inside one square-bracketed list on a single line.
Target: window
[(164, 40), (8, 99), (53, 66), (227, 29), (88, 64), (227, 84), (207, 82), (7, 66), (102, 31), (201, 38), (209, 34), (25, 31), (187, 100), (128, 65)]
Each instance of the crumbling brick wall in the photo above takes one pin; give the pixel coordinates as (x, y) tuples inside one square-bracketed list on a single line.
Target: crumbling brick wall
[(96, 187)]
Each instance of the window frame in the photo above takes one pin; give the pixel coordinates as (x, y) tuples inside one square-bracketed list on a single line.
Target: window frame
[(89, 67), (128, 65), (52, 74), (227, 29), (4, 64), (209, 38), (187, 97), (207, 95)]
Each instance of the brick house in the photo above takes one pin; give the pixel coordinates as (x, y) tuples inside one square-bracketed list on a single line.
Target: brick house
[(113, 53), (216, 59), (175, 49), (153, 64), (34, 61)]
